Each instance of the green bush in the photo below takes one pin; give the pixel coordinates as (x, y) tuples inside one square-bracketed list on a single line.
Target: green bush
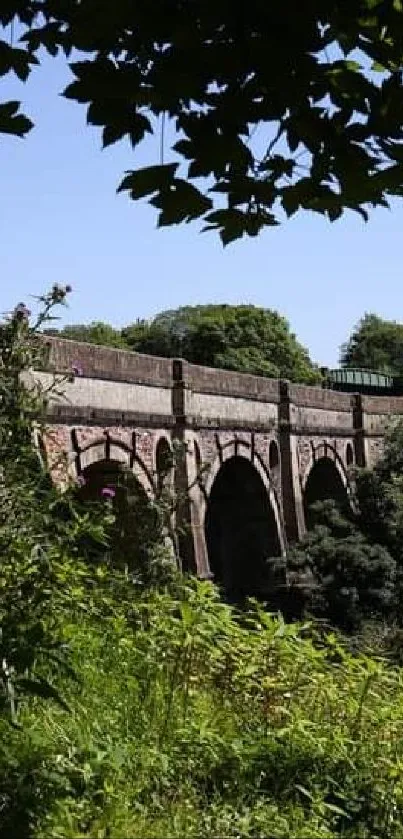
[(46, 539), (338, 574), (190, 720)]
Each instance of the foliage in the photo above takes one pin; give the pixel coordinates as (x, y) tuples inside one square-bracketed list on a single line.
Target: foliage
[(91, 333), (338, 574), (375, 344), (245, 338), (349, 567), (192, 721), (44, 539), (318, 84), (140, 539), (380, 495)]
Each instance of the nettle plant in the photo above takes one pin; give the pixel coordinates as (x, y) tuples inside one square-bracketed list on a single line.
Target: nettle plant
[(46, 538)]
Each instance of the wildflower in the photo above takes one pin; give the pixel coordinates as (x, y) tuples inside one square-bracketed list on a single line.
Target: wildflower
[(77, 369), (59, 292), (21, 312), (108, 493)]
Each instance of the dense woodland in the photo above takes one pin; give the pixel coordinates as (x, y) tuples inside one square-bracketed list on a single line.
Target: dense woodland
[(137, 702)]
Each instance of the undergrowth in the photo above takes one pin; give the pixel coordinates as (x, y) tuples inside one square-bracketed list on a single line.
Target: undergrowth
[(189, 719), (156, 710)]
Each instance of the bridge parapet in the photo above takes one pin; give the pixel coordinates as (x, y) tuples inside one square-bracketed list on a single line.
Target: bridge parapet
[(227, 398), (108, 363), (308, 396), (377, 413), (230, 383), (316, 410), (110, 384)]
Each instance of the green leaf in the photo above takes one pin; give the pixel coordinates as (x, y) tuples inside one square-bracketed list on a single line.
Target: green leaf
[(188, 615), (377, 67), (11, 122), (393, 150), (15, 59), (304, 791), (180, 202), (185, 148), (150, 179), (335, 809), (43, 689), (112, 133), (136, 126), (76, 90), (230, 233)]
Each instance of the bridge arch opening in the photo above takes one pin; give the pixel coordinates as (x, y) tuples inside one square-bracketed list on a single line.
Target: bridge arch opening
[(241, 530), (324, 483), (136, 521)]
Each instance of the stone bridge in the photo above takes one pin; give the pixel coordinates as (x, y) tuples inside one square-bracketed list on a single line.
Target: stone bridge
[(254, 453)]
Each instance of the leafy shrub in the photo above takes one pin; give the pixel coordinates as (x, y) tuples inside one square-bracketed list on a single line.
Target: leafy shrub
[(190, 721), (44, 538), (336, 573)]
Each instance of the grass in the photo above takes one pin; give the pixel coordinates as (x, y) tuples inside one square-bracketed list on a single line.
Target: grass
[(189, 720)]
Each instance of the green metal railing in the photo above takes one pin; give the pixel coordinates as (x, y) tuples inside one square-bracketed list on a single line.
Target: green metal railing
[(366, 381)]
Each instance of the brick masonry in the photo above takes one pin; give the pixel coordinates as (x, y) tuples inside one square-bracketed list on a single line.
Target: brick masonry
[(123, 404)]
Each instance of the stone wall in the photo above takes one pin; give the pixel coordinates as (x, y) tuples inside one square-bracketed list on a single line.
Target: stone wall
[(108, 363), (122, 403)]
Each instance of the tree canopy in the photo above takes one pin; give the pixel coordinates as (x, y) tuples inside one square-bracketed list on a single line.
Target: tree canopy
[(92, 333), (375, 344), (244, 338), (274, 107)]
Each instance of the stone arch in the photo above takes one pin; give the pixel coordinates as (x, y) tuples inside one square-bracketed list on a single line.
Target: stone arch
[(326, 480), (114, 451), (241, 448), (136, 520), (242, 525), (325, 450)]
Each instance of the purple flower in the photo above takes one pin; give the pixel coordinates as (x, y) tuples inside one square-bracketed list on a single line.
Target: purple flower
[(76, 369), (59, 292), (108, 492), (22, 312)]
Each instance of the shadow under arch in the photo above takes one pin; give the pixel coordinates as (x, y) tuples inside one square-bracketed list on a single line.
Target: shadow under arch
[(136, 523), (241, 530), (324, 483)]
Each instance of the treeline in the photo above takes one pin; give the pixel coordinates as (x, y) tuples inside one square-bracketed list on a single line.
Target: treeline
[(245, 338)]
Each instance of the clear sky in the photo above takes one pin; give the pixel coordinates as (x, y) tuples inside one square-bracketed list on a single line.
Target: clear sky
[(61, 221)]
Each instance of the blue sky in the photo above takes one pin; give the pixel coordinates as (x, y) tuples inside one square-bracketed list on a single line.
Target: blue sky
[(62, 221)]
